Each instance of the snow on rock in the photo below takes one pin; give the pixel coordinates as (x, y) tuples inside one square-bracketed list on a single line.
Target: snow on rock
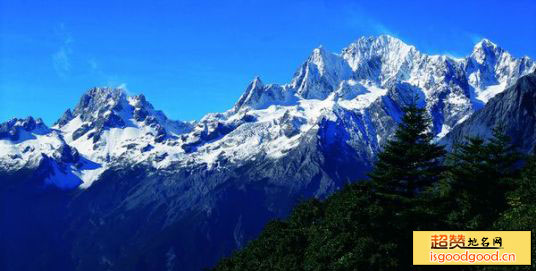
[(355, 97), (28, 144), (491, 69), (320, 75)]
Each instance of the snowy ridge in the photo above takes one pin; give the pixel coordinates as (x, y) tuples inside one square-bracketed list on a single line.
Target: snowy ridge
[(354, 97)]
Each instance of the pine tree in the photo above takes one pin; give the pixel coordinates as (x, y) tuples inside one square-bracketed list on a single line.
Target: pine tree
[(525, 192), (475, 186), (410, 162), (409, 165), (521, 214)]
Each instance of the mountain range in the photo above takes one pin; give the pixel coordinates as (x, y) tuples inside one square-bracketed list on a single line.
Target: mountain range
[(114, 184)]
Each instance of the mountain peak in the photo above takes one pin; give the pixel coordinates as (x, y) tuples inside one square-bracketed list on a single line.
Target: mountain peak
[(95, 102), (100, 99), (12, 129), (382, 45), (318, 56), (485, 50), (257, 82), (103, 109), (490, 65), (485, 43), (389, 38), (319, 50), (377, 41), (513, 110), (253, 92), (103, 93)]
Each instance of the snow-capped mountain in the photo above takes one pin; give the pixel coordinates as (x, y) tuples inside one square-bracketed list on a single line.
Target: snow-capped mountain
[(27, 143), (512, 110), (190, 192), (364, 86), (106, 125)]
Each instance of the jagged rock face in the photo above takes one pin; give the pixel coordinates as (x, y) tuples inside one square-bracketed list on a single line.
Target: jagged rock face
[(154, 191), (98, 102), (15, 128), (260, 96), (512, 110), (369, 81), (320, 75), (30, 146), (491, 65), (101, 109), (98, 109)]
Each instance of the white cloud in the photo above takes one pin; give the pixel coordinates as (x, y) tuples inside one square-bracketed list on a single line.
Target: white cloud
[(93, 65), (475, 38), (359, 20), (380, 29), (61, 59), (122, 86)]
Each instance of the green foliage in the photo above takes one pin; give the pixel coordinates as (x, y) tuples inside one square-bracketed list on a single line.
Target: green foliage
[(317, 235), (368, 225), (341, 241), (279, 247), (475, 186), (410, 162), (405, 170), (521, 214)]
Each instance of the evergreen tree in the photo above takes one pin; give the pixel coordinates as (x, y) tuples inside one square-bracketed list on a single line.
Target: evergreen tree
[(521, 214), (410, 162), (336, 234), (407, 167), (368, 225), (475, 186)]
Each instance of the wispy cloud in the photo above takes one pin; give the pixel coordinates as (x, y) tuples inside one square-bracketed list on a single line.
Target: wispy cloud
[(475, 38), (61, 59), (93, 65), (101, 78), (122, 86), (379, 28), (359, 20)]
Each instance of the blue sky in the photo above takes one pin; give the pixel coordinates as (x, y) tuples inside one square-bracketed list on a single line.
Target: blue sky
[(194, 57)]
